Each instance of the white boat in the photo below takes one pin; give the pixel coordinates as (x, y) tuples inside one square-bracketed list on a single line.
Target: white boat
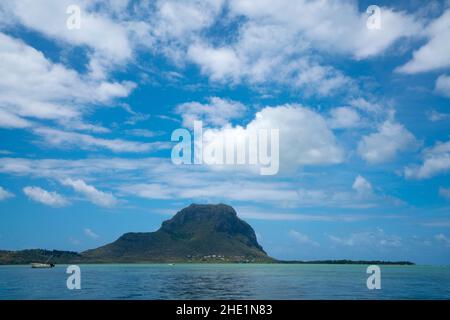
[(42, 265), (46, 264)]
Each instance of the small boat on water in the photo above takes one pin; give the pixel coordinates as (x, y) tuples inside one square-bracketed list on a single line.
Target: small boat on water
[(38, 265), (46, 264)]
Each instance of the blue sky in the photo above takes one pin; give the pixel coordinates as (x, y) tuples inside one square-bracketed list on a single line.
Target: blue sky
[(86, 117)]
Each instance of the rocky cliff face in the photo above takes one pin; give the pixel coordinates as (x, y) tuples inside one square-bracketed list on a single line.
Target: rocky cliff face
[(211, 233)]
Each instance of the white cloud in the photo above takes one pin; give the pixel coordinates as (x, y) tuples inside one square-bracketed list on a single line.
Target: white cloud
[(177, 20), (108, 40), (10, 120), (52, 199), (258, 214), (246, 191), (217, 112), (344, 117), (377, 238), (263, 51), (436, 160), (183, 185), (174, 25), (361, 197), (227, 64), (143, 133), (362, 186), (444, 193), (435, 116), (94, 195), (305, 138), (217, 63), (150, 191), (302, 239), (275, 42), (437, 223), (32, 86), (384, 145), (75, 124), (278, 42), (435, 54), (156, 178), (443, 85), (335, 198), (63, 168), (91, 234), (192, 184), (312, 21), (63, 139), (313, 77), (366, 106), (5, 194), (442, 239)]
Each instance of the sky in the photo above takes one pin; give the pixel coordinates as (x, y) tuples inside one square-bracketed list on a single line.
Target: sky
[(91, 92)]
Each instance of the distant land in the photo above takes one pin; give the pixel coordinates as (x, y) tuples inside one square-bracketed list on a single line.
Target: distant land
[(196, 234)]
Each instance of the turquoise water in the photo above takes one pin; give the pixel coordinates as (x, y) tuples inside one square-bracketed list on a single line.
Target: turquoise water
[(239, 281)]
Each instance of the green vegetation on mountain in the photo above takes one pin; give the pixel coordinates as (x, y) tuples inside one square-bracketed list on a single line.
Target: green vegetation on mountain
[(196, 233), (39, 255)]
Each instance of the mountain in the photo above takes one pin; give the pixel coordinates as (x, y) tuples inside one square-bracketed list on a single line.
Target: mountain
[(39, 255), (198, 233)]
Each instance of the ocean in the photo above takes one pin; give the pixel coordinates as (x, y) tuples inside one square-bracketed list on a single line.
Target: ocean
[(225, 281)]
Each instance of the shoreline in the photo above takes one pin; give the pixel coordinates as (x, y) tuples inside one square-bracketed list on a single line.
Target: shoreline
[(364, 263)]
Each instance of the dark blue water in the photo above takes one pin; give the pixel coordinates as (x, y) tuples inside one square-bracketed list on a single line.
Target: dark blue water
[(238, 281)]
